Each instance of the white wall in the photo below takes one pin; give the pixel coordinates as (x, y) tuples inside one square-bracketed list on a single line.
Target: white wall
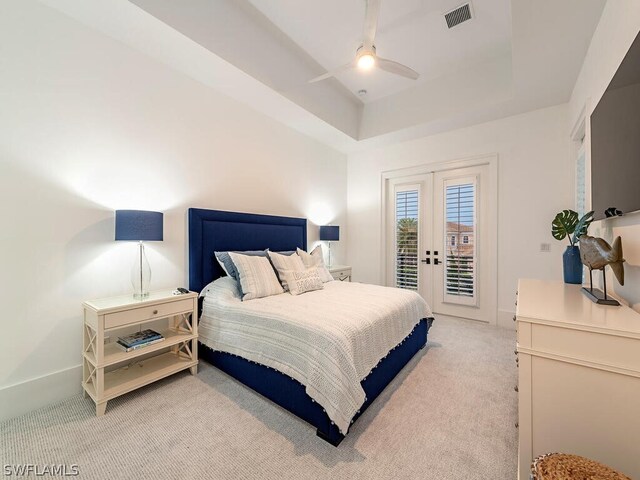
[(618, 27), (87, 126), (535, 175)]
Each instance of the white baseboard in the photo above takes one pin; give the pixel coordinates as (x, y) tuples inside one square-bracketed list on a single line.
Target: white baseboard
[(505, 319), (39, 392)]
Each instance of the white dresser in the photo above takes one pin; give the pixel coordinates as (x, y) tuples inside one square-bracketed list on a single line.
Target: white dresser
[(579, 377)]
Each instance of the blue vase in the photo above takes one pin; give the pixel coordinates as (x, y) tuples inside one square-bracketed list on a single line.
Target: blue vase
[(572, 265)]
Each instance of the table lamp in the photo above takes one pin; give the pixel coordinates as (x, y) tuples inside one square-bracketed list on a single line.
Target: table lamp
[(139, 226), (330, 233)]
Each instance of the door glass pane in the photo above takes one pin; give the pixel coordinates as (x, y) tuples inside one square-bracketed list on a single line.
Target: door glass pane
[(460, 234), (407, 239)]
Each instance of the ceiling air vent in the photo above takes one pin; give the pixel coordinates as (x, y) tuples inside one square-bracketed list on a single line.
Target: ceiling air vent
[(458, 15)]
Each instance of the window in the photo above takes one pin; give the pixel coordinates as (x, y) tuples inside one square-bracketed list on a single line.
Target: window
[(581, 190), (407, 239), (460, 260)]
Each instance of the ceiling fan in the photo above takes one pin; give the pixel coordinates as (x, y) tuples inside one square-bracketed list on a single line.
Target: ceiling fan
[(366, 57)]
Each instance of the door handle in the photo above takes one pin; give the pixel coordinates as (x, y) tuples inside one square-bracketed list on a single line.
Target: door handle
[(436, 261), (427, 261)]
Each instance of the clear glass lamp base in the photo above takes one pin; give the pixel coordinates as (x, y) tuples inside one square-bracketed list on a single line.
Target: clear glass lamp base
[(141, 274)]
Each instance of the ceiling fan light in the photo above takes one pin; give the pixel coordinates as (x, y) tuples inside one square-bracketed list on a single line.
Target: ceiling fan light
[(366, 61)]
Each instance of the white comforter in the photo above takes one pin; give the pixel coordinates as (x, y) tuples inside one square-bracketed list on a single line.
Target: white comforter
[(328, 340)]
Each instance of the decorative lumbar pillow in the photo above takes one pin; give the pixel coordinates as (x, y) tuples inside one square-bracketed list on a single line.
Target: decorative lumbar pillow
[(283, 263), (257, 278), (315, 259), (302, 281), (227, 264)]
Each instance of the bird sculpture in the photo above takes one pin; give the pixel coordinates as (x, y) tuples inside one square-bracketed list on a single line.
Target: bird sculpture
[(596, 254)]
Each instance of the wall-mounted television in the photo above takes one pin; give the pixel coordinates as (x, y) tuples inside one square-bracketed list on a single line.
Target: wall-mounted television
[(615, 140)]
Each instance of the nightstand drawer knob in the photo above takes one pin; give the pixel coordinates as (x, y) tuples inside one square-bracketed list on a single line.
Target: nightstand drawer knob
[(155, 312)]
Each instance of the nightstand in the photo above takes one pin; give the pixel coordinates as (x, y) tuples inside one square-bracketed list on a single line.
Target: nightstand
[(108, 371), (340, 272)]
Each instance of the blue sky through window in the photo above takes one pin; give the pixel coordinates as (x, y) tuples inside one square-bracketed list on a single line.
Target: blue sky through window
[(460, 204)]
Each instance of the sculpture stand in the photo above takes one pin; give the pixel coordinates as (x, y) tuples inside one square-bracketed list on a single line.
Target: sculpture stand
[(596, 295)]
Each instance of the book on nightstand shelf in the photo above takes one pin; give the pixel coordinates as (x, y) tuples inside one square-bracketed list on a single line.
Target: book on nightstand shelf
[(124, 348), (139, 339)]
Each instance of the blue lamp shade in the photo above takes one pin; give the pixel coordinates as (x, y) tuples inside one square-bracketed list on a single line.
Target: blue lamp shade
[(138, 225), (330, 233)]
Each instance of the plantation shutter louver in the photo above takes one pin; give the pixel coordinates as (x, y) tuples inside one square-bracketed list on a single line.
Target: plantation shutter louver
[(460, 260), (407, 239)]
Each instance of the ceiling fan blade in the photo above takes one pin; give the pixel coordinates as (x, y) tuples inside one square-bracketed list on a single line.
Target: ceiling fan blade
[(396, 68), (331, 73), (372, 11)]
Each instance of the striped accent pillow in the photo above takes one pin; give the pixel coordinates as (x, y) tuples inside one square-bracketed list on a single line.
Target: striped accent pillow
[(302, 281), (257, 278), (227, 264), (283, 263)]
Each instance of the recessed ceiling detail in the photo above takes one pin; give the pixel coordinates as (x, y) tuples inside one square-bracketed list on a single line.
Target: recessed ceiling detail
[(459, 15), (515, 56), (411, 32)]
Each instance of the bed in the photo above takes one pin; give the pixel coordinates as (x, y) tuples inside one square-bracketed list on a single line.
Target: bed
[(212, 230)]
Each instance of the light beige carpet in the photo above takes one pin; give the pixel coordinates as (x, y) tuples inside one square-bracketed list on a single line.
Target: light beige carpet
[(449, 414)]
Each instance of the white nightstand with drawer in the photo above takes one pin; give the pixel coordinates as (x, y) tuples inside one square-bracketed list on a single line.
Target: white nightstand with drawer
[(108, 371), (340, 272)]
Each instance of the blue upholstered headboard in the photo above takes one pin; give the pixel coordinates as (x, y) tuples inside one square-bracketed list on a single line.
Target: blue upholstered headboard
[(215, 230)]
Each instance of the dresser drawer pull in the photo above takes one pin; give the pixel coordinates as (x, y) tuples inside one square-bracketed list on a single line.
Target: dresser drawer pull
[(155, 312)]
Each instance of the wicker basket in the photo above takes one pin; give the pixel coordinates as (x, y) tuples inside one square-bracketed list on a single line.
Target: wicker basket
[(560, 466)]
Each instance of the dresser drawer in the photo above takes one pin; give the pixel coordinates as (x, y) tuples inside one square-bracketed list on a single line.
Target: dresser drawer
[(594, 348), (135, 315)]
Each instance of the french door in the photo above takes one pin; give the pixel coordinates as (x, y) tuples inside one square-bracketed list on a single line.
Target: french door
[(438, 240)]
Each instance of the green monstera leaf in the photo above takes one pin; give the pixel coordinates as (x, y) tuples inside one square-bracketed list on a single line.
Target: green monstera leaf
[(568, 224), (564, 224), (582, 226)]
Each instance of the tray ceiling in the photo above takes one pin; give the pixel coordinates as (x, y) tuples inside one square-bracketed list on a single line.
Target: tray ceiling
[(513, 56), (412, 32)]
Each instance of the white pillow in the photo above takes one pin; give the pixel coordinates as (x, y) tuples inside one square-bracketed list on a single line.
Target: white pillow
[(315, 259), (225, 288), (302, 281), (257, 278), (283, 263)]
